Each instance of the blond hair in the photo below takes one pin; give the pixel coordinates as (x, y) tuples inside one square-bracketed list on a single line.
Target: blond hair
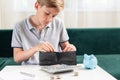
[(58, 4)]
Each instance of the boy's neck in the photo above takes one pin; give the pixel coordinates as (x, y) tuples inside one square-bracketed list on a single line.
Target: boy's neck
[(34, 22)]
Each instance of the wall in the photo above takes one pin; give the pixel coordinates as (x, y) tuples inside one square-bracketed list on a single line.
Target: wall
[(8, 17)]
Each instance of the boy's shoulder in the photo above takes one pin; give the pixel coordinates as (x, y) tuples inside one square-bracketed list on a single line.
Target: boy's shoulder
[(21, 24), (21, 21)]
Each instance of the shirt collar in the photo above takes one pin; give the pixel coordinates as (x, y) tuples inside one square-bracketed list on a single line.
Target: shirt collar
[(29, 24)]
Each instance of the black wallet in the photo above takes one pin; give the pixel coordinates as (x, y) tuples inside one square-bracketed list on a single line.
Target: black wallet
[(51, 58)]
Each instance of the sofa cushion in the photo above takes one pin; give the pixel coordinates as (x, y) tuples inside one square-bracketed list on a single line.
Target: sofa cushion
[(109, 63), (7, 61), (95, 41)]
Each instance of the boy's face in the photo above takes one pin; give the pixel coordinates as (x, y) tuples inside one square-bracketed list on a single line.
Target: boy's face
[(45, 14)]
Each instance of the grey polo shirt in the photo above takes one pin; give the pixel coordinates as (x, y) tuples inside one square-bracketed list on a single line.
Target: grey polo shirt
[(26, 36)]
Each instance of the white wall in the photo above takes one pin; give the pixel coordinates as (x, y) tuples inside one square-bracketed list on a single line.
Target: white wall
[(8, 17)]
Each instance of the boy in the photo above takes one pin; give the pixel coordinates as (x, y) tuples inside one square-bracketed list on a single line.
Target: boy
[(40, 32)]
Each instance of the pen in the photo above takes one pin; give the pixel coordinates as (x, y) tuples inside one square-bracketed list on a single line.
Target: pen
[(27, 74)]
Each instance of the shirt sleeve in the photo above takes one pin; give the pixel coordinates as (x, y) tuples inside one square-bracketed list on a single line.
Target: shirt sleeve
[(16, 39), (63, 35)]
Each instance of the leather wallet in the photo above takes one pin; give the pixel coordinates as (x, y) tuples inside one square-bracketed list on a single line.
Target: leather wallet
[(51, 58)]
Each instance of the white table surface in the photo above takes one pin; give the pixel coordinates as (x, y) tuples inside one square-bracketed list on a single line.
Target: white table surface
[(83, 74)]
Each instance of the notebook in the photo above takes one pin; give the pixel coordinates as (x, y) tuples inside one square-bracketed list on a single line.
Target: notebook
[(51, 58)]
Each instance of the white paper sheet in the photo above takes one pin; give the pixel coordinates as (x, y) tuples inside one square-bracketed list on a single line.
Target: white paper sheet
[(14, 75)]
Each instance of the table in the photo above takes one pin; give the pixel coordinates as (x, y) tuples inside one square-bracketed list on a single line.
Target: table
[(83, 74)]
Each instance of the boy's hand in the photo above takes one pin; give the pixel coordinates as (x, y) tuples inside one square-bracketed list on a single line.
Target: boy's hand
[(45, 47), (69, 47)]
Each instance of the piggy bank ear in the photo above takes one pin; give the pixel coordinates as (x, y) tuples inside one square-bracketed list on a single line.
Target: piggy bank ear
[(92, 55), (85, 55)]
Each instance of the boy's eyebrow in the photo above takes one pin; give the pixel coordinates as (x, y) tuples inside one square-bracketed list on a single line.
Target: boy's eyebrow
[(50, 13)]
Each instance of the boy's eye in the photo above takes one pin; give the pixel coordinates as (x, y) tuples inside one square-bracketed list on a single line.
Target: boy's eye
[(47, 13), (53, 16)]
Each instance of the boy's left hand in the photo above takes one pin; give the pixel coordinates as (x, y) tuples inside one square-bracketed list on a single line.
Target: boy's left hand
[(69, 47)]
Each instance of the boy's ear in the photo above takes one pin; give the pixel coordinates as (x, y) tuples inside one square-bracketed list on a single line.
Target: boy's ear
[(36, 5)]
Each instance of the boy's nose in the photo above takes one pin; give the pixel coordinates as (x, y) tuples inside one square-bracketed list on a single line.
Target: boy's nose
[(50, 18)]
